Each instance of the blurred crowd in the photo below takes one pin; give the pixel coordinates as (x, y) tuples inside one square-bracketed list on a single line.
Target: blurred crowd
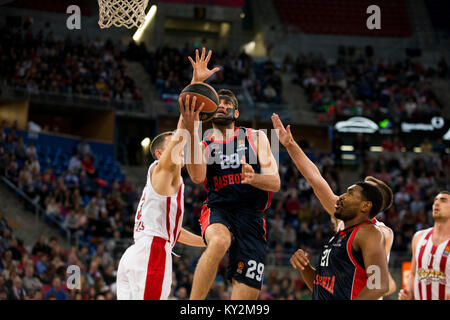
[(38, 62), (358, 84), (170, 71), (101, 217)]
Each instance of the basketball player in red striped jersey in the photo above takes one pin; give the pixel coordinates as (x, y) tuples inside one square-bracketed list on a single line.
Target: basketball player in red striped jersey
[(326, 196), (429, 278), (145, 269)]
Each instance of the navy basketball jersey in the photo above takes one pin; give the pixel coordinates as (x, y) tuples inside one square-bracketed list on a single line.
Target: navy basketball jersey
[(224, 173), (341, 274)]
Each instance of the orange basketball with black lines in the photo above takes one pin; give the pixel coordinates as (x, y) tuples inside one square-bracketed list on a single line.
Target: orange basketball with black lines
[(205, 94)]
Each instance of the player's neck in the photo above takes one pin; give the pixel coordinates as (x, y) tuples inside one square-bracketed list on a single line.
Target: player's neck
[(441, 229), (354, 221), (226, 131)]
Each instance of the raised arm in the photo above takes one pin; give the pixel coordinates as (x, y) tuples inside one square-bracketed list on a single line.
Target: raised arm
[(196, 162), (306, 167), (173, 155), (195, 159)]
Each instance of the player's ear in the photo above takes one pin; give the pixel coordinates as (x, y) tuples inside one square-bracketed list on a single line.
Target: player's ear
[(236, 113), (366, 206), (158, 153)]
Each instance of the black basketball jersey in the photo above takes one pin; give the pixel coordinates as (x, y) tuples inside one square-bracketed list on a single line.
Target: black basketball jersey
[(224, 173), (341, 274)]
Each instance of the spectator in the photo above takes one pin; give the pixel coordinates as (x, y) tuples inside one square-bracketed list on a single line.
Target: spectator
[(41, 247), (388, 144), (88, 166), (55, 291), (30, 282), (75, 164), (17, 290), (14, 249), (426, 145), (31, 151), (71, 179), (35, 167), (84, 149), (53, 210), (20, 149), (289, 237)]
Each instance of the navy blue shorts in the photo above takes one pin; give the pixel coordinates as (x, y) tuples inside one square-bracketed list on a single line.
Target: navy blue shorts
[(247, 251)]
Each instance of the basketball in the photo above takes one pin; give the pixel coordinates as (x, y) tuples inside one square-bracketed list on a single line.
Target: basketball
[(205, 94)]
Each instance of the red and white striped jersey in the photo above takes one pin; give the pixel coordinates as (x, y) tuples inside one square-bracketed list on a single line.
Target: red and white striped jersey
[(159, 215), (432, 274)]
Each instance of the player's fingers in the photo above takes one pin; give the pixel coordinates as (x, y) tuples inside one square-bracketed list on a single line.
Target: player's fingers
[(297, 262), (197, 58), (294, 262), (194, 102), (208, 56), (192, 61), (277, 122), (301, 258), (200, 108), (180, 103), (187, 104), (306, 256), (243, 159), (288, 129), (203, 54)]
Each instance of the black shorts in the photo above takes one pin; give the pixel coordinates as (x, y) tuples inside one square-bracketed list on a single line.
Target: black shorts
[(248, 245)]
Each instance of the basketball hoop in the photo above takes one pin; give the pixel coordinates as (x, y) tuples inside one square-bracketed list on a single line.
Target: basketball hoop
[(127, 13)]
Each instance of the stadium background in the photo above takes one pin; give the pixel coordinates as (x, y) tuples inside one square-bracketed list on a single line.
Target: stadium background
[(97, 93)]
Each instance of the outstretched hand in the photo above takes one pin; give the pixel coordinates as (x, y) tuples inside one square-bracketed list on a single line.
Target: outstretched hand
[(284, 134), (200, 65)]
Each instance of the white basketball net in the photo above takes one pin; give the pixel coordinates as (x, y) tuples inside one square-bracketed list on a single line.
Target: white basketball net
[(128, 13)]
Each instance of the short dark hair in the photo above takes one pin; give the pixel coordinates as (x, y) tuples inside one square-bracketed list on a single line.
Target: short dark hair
[(158, 142), (444, 192), (388, 195), (373, 194), (229, 93)]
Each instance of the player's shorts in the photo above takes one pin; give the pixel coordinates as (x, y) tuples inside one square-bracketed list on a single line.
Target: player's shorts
[(145, 270), (248, 245)]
